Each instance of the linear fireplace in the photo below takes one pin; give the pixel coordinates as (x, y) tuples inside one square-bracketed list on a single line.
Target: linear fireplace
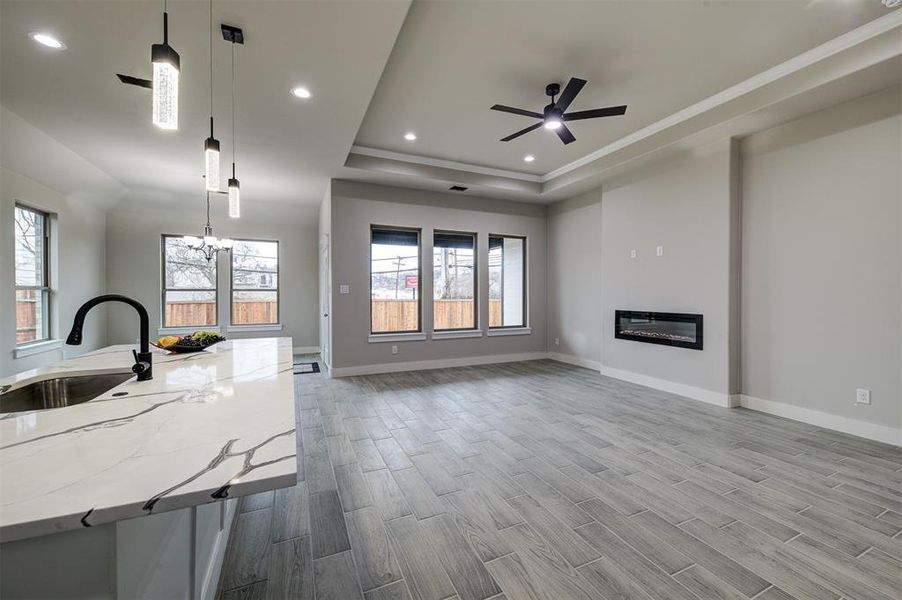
[(670, 329)]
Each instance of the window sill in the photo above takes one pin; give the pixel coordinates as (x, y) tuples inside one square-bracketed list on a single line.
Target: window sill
[(509, 331), (183, 330), (376, 338), (260, 327), (452, 335), (37, 348)]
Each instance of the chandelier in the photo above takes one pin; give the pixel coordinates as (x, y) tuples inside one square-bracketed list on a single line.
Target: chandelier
[(208, 244)]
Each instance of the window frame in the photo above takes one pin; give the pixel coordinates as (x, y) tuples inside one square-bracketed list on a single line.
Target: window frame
[(475, 235), (525, 299), (164, 289), (277, 289), (45, 288), (419, 232)]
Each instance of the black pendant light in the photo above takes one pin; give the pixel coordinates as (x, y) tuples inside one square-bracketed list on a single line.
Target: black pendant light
[(165, 84), (234, 185), (211, 144)]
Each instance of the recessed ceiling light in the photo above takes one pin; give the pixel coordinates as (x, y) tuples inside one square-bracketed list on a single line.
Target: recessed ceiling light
[(410, 136), (45, 39), (529, 158), (301, 92)]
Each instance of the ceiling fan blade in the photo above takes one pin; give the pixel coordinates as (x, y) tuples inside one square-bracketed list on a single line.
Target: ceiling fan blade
[(128, 79), (518, 111), (573, 87), (564, 134), (523, 131), (610, 111)]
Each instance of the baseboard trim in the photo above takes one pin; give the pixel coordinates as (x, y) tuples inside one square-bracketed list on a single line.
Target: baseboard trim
[(305, 349), (871, 431), (572, 359), (422, 365), (681, 389)]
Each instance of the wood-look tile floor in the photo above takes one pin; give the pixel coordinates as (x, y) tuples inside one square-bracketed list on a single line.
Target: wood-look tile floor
[(539, 480)]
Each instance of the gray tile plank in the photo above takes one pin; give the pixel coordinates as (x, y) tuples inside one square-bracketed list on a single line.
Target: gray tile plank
[(328, 530), (387, 496), (393, 591), (558, 535), (703, 584), (420, 497), (392, 453), (368, 455), (352, 487), (291, 513), (256, 501), (436, 477), (376, 562), (248, 559), (335, 578), (291, 570), (422, 567), (466, 571)]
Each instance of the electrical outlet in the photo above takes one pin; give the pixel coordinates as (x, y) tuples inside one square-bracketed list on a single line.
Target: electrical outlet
[(633, 254), (659, 251), (344, 289), (394, 349), (557, 341), (862, 396)]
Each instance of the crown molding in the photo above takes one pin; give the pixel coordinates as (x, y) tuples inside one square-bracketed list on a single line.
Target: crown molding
[(444, 164)]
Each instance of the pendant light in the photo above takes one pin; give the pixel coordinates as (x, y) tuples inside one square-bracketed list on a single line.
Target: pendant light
[(234, 185), (209, 245), (165, 80), (211, 144)]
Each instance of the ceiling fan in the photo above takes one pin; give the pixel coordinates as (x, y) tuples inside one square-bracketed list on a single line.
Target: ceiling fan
[(553, 116)]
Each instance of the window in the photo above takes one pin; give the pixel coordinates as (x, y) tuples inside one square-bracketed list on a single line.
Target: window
[(454, 280), (507, 281), (394, 280), (255, 282), (189, 285), (32, 252)]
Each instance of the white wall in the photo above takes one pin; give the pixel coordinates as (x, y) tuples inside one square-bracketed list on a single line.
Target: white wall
[(686, 206), (75, 193), (134, 264), (355, 206), (821, 304), (574, 278)]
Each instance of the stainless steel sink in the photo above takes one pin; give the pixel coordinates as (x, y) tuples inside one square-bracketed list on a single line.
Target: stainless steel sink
[(59, 392)]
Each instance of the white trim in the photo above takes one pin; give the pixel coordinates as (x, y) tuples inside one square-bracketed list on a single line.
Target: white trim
[(681, 389), (376, 338), (501, 332), (848, 40), (37, 348), (452, 335), (306, 350), (572, 359), (421, 365), (871, 431), (260, 327), (444, 164), (183, 330)]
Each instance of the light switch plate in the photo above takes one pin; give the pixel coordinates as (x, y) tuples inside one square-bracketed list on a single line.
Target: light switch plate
[(633, 254), (344, 289), (659, 250)]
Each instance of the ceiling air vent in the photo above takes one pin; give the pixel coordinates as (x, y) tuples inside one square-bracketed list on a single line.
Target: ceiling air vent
[(458, 188)]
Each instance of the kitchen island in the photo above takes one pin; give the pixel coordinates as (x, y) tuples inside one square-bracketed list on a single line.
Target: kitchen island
[(140, 477)]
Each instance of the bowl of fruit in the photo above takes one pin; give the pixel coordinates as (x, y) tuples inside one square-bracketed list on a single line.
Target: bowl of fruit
[(193, 342)]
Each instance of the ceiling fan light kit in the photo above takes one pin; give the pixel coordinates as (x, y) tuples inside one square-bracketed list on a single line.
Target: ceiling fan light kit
[(554, 115), (165, 84)]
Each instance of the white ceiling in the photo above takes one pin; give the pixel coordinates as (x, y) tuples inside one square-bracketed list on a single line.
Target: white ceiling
[(373, 80), (288, 148), (453, 60)]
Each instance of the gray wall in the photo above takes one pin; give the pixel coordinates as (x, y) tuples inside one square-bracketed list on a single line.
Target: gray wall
[(821, 260), (134, 265), (355, 206), (574, 281), (77, 273), (683, 205)]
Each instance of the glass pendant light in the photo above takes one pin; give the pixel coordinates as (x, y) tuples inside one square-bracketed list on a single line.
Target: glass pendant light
[(165, 80), (234, 184), (211, 144)]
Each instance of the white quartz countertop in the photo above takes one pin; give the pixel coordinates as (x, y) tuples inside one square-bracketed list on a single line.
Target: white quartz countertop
[(209, 425)]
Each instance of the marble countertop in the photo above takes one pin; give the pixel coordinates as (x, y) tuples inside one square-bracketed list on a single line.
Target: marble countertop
[(209, 425)]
